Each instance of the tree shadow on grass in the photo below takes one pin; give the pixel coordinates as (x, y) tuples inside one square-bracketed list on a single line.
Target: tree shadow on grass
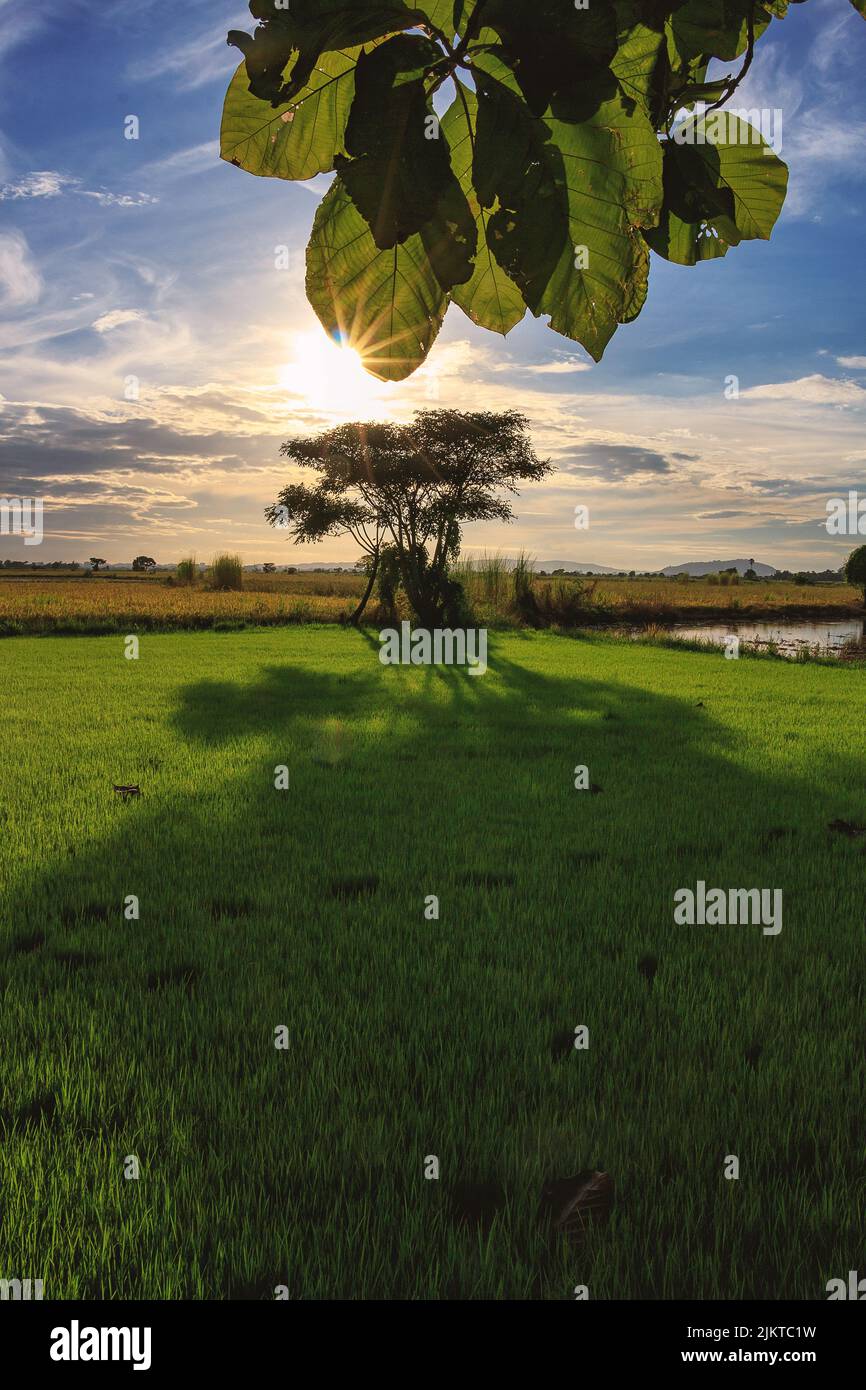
[(412, 1034)]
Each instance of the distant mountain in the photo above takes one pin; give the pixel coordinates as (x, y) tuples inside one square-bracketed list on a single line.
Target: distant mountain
[(573, 566), (696, 568)]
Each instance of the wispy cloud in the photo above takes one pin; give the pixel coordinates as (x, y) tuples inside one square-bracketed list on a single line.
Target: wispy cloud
[(194, 62), (560, 367), (811, 390), (116, 319), (20, 281), (193, 160), (617, 461), (49, 183), (106, 199), (44, 183), (17, 24)]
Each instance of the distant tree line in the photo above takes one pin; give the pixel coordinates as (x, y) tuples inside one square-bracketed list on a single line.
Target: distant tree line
[(145, 564)]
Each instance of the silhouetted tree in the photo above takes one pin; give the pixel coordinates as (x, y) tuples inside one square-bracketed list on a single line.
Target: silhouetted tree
[(855, 569), (410, 488)]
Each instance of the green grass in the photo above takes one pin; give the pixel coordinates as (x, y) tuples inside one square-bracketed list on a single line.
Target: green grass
[(410, 1037)]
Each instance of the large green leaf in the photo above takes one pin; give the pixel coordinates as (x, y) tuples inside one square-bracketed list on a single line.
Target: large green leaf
[(302, 137), (717, 28), (723, 185), (613, 174), (267, 55), (448, 16), (519, 180), (551, 45), (636, 63), (387, 305), (860, 7), (649, 70), (490, 298), (571, 194), (396, 173), (303, 31)]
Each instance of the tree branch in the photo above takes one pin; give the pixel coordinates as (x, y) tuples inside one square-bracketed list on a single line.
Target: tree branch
[(734, 82)]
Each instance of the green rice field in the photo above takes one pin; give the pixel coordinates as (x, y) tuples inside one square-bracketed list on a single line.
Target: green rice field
[(407, 1036)]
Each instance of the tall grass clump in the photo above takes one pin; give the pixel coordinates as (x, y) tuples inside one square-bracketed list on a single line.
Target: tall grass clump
[(524, 599), (484, 581), (492, 579), (567, 603), (187, 570), (227, 572)]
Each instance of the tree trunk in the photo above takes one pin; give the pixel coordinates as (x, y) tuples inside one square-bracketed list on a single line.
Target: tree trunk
[(420, 587), (356, 616)]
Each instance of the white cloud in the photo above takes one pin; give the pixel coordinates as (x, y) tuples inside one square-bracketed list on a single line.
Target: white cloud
[(44, 183), (47, 183), (810, 390), (559, 368), (120, 200), (116, 318), (857, 364), (20, 281)]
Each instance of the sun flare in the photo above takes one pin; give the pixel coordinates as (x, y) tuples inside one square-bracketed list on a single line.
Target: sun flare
[(331, 378)]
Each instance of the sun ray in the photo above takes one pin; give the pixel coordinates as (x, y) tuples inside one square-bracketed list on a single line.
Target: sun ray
[(330, 378)]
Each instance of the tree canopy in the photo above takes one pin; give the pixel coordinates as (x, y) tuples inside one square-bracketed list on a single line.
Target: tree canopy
[(855, 569), (408, 491), (555, 170)]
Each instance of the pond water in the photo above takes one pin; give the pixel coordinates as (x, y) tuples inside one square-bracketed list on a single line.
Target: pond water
[(829, 635)]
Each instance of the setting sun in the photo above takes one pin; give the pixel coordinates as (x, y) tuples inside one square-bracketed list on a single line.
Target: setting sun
[(331, 378)]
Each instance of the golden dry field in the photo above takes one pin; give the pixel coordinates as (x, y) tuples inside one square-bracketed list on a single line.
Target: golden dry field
[(773, 597), (108, 603)]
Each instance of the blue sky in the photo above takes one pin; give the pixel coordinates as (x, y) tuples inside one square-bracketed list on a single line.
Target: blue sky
[(152, 259)]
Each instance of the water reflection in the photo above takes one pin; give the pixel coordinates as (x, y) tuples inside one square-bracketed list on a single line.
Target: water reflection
[(829, 636)]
